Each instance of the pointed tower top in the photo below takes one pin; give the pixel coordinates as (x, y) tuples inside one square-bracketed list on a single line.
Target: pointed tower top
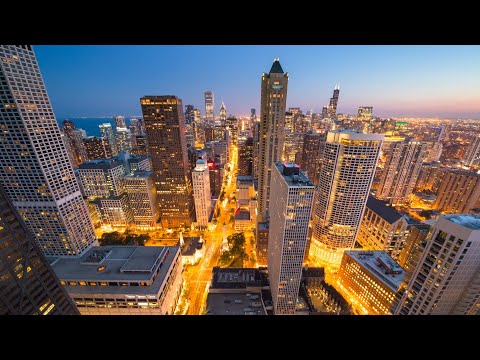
[(337, 86), (276, 67), (223, 105)]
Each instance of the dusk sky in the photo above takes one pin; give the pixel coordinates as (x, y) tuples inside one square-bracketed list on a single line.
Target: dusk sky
[(417, 81)]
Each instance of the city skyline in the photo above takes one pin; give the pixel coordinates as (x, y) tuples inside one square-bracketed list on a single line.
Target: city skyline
[(398, 81)]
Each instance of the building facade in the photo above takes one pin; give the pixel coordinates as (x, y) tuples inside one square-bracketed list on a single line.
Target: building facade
[(349, 163), (119, 122), (74, 138), (312, 154), (142, 195), (291, 208), (167, 147), (107, 133), (472, 155), (446, 280), (97, 148), (101, 178), (245, 158), (36, 172), (209, 107), (332, 105), (201, 192), (365, 113), (123, 139)]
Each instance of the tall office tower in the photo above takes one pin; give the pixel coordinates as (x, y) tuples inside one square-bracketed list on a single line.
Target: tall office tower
[(36, 173), (434, 151), (97, 148), (350, 159), (135, 126), (365, 113), (142, 195), (27, 282), (189, 115), (141, 148), (253, 116), (216, 175), (232, 126), (196, 116), (290, 211), (201, 192), (382, 228), (74, 137), (459, 192), (123, 139), (272, 131), (401, 171), (106, 132), (324, 112), (371, 279), (256, 149), (472, 155), (223, 113), (446, 280), (288, 122), (312, 154), (119, 121), (101, 178), (293, 146), (167, 147), (209, 107), (245, 158), (426, 175), (332, 106)]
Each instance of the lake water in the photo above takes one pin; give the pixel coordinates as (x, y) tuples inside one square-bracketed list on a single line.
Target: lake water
[(90, 125)]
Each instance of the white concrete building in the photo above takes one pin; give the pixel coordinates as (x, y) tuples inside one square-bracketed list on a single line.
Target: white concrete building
[(142, 195), (290, 211), (102, 178), (201, 192)]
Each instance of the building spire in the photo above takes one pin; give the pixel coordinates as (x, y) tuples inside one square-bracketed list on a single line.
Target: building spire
[(276, 67)]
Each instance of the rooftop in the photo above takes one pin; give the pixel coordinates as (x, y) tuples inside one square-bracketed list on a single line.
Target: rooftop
[(191, 245), (244, 178), (234, 304), (128, 264), (292, 175), (263, 226), (235, 278), (468, 220), (100, 164), (276, 67), (242, 214), (139, 174), (381, 265), (388, 213), (313, 272), (137, 159)]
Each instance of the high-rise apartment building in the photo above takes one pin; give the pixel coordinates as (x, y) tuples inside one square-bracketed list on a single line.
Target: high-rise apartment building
[(119, 121), (446, 280), (291, 208), (167, 147), (201, 192), (272, 131), (365, 113), (35, 171), (458, 193), (141, 145), (189, 115), (401, 171), (142, 195), (28, 285), (123, 139), (350, 159), (332, 105), (101, 178), (382, 228), (426, 175), (312, 154), (371, 279), (97, 148), (209, 107), (74, 138), (107, 133), (472, 155), (245, 158)]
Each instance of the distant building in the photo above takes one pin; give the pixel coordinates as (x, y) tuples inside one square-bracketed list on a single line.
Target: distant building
[(446, 280), (426, 175), (119, 122), (141, 145), (256, 148), (142, 196), (472, 155), (223, 113), (193, 250), (123, 139), (382, 228), (433, 151), (293, 146), (97, 148), (124, 280), (216, 171), (189, 115), (201, 192), (27, 282), (459, 192), (371, 278), (209, 106), (312, 154), (108, 134), (332, 105), (74, 138), (365, 113), (239, 291), (290, 211), (245, 158)]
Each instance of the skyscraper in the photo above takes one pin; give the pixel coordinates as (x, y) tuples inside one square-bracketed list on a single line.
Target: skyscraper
[(209, 107), (167, 147), (332, 105), (290, 210), (77, 152), (245, 158), (123, 139), (201, 192), (401, 171), (472, 155), (365, 113), (447, 278), (28, 284), (142, 195), (97, 148), (36, 173), (119, 121), (256, 148), (350, 159), (312, 155), (272, 131), (223, 113), (106, 132), (189, 115)]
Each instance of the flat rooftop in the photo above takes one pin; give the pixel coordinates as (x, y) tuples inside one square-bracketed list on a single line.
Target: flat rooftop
[(100, 164), (388, 213), (117, 264), (234, 304), (470, 221), (139, 174), (263, 226), (298, 178), (380, 264), (235, 278), (137, 159), (244, 179), (242, 215)]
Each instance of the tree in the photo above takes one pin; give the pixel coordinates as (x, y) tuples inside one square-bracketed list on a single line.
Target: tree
[(113, 238), (427, 214)]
